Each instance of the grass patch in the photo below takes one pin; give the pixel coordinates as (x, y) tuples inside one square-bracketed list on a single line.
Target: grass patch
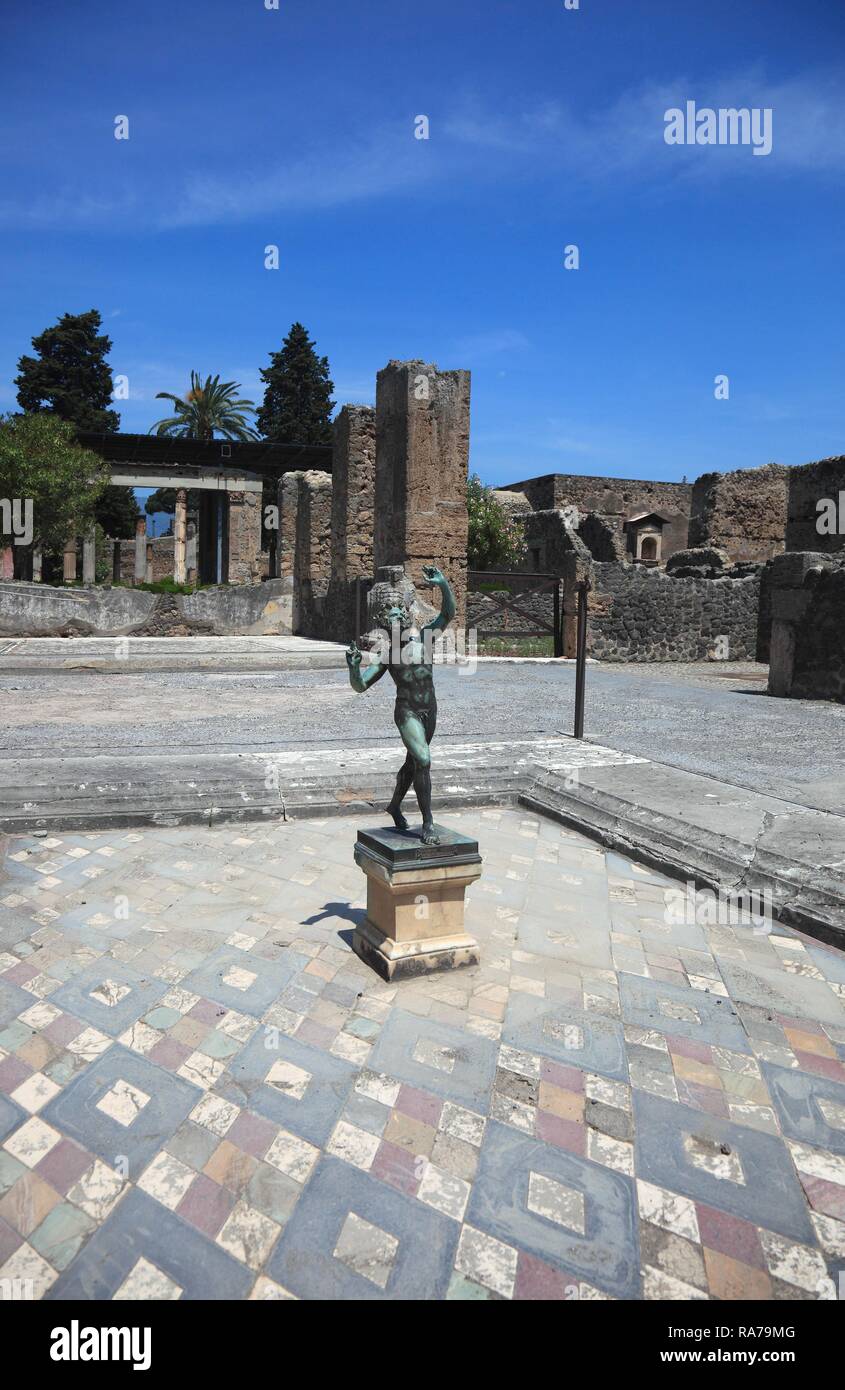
[(516, 646)]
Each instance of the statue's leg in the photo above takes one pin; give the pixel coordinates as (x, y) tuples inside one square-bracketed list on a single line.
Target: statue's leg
[(404, 779), (416, 733)]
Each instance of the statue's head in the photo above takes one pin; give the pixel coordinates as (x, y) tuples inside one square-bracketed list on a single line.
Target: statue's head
[(393, 600), (396, 612)]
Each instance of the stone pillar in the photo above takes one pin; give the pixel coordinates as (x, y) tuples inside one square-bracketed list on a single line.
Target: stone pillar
[(148, 568), (191, 552), (140, 550), (69, 561), (115, 562), (180, 523), (36, 565), (89, 557), (422, 455), (7, 563), (312, 568), (244, 537)]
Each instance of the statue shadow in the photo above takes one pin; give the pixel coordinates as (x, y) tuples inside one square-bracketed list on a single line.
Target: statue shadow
[(355, 915)]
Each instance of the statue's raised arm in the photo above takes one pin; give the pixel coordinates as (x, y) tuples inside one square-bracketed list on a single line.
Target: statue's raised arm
[(437, 578)]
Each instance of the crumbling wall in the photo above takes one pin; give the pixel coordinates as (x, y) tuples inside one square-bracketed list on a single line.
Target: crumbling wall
[(39, 610), (742, 513), (639, 614), (809, 485)]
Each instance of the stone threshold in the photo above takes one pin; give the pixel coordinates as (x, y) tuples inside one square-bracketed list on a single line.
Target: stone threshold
[(692, 828)]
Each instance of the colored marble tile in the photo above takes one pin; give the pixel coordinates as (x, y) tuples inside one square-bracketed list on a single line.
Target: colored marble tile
[(470, 1079), (568, 1036), (242, 981), (305, 1261), (672, 1142), (605, 1252), (687, 1013), (77, 1112), (292, 1084), (140, 1228), (810, 1108), (109, 994)]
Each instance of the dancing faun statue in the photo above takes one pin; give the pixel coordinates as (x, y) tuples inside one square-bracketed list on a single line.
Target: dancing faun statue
[(405, 650)]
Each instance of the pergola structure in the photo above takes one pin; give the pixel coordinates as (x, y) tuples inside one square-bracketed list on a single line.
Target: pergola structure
[(230, 478)]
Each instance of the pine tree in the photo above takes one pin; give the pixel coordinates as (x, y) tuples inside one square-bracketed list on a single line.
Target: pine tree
[(298, 399), (70, 376)]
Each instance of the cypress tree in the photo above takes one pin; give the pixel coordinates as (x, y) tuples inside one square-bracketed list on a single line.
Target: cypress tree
[(298, 397)]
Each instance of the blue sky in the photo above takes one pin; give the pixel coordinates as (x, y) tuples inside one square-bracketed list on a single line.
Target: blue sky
[(295, 127)]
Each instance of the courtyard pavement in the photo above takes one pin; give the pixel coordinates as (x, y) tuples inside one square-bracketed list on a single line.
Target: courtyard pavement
[(205, 1094), (712, 719)]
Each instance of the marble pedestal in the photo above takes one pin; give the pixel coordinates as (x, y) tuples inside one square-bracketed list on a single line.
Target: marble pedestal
[(415, 901)]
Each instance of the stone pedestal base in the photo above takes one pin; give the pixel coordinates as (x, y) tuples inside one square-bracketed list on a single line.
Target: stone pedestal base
[(415, 902)]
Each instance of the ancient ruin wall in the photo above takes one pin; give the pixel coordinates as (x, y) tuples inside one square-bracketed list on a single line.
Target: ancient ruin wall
[(742, 513), (639, 614), (808, 485), (614, 500)]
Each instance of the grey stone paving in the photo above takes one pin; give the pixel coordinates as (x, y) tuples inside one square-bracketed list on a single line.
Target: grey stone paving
[(205, 1094), (723, 728)]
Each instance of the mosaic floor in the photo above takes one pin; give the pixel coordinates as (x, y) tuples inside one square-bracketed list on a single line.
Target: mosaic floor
[(204, 1094)]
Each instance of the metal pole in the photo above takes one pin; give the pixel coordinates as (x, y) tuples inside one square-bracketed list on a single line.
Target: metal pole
[(558, 639), (584, 587)]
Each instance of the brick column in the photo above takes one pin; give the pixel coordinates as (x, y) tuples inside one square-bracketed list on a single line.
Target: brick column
[(140, 550), (422, 454), (7, 562), (179, 529)]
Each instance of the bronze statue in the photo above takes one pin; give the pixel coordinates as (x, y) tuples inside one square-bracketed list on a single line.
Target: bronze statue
[(408, 659)]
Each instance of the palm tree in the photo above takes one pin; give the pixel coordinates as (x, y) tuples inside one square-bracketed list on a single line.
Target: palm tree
[(208, 407)]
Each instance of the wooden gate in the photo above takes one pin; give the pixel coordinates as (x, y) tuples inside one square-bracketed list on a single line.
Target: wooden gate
[(509, 591)]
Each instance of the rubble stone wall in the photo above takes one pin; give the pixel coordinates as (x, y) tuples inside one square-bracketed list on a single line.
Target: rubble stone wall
[(639, 614)]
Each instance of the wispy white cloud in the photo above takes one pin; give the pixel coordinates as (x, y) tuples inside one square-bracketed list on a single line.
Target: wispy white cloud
[(471, 144)]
